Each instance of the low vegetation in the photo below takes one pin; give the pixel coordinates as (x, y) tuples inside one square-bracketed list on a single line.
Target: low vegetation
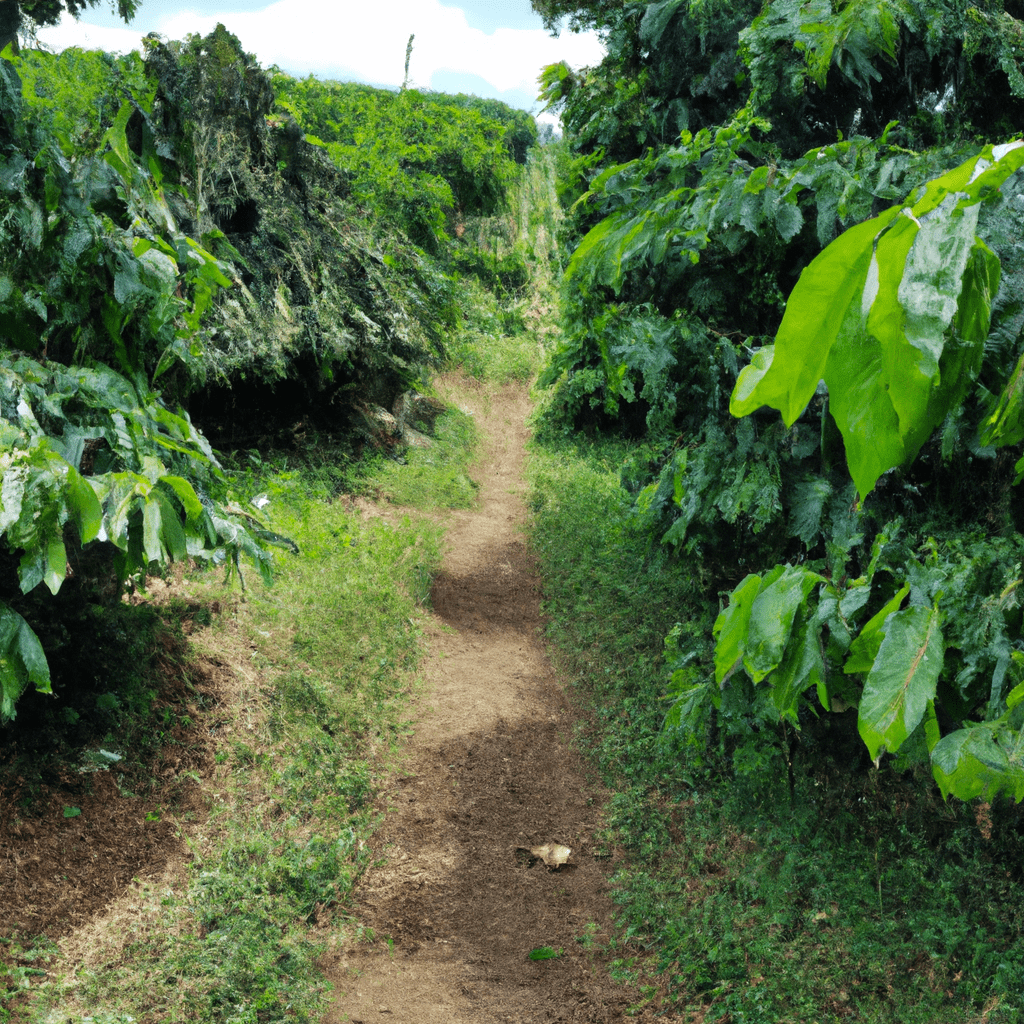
[(850, 896), (306, 720)]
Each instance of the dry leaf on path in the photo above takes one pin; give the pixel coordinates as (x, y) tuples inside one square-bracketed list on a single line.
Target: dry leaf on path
[(553, 854)]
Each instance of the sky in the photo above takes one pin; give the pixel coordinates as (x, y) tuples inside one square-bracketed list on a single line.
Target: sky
[(493, 48)]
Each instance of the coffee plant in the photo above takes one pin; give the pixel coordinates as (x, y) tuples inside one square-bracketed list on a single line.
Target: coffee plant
[(101, 294), (762, 215)]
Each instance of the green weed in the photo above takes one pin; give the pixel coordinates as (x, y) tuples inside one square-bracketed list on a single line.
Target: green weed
[(22, 965), (545, 953), (494, 343), (433, 477)]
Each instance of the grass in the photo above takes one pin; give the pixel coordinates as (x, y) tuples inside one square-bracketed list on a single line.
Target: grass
[(321, 666), (495, 343), (866, 898), (505, 337), (434, 477)]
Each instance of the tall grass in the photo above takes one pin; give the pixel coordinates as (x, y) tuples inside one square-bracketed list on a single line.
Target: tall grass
[(505, 333)]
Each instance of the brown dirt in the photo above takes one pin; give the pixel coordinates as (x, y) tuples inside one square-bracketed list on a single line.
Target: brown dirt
[(457, 902), (57, 872)]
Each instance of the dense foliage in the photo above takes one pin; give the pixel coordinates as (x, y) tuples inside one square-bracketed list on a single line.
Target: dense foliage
[(177, 245), (102, 292), (426, 160), (811, 176)]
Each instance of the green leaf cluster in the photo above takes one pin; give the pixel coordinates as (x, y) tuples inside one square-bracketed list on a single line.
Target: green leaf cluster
[(422, 161), (96, 273), (792, 630), (893, 316), (777, 178)]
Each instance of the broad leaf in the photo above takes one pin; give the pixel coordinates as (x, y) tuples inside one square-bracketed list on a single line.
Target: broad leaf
[(84, 505), (864, 648), (902, 680), (892, 316), (771, 618), (822, 300), (22, 661), (802, 667), (731, 628), (983, 760), (656, 19)]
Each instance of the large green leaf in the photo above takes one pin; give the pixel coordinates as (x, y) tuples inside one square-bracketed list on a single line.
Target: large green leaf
[(771, 618), (186, 495), (981, 761), (84, 505), (826, 292), (802, 667), (902, 679), (172, 534), (152, 528), (731, 628), (864, 648), (22, 661), (892, 316), (656, 19)]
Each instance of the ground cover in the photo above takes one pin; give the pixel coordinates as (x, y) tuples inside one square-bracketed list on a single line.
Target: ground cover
[(858, 896)]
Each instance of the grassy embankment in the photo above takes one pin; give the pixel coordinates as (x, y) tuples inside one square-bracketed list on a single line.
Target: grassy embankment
[(324, 661)]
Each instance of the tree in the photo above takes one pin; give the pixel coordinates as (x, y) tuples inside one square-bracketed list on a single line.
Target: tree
[(13, 14), (721, 149)]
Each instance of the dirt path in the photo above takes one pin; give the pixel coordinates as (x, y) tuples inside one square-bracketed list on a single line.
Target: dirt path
[(489, 774)]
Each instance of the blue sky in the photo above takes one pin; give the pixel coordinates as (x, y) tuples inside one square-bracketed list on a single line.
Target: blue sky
[(489, 47)]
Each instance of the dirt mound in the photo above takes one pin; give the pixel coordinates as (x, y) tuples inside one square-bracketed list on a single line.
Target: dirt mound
[(71, 845)]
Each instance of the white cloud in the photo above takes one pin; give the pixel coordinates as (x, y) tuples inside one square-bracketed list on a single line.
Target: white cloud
[(90, 37), (365, 41)]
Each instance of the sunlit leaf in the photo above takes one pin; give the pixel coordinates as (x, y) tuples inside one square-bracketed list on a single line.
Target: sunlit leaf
[(902, 679)]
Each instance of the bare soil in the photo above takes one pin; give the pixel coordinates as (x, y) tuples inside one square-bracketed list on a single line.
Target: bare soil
[(72, 840), (457, 901)]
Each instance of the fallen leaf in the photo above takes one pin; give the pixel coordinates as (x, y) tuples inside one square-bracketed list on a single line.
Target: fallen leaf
[(553, 854)]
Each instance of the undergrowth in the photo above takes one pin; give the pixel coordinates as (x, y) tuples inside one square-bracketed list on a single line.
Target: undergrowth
[(506, 329), (323, 661), (859, 895), (429, 477), (494, 342)]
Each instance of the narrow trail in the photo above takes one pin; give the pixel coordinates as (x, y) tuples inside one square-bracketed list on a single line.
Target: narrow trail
[(488, 773)]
